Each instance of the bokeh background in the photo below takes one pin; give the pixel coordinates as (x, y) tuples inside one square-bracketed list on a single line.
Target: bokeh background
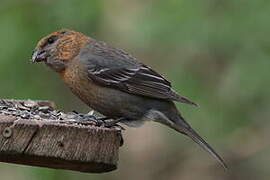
[(214, 51)]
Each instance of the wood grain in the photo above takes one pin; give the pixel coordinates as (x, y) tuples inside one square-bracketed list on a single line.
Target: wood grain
[(57, 145)]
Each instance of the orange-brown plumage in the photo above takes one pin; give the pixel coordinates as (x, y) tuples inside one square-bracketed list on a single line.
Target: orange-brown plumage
[(114, 83), (70, 43)]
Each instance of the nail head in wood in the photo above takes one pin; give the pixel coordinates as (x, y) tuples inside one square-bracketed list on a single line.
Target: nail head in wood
[(48, 143)]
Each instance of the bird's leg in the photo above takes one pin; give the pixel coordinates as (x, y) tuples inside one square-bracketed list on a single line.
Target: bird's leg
[(101, 121), (103, 118), (113, 122), (109, 121)]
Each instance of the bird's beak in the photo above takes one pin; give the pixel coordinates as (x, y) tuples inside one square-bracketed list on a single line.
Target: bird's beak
[(39, 55)]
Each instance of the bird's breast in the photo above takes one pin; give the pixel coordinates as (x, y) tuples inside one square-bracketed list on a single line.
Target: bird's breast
[(107, 101), (75, 76)]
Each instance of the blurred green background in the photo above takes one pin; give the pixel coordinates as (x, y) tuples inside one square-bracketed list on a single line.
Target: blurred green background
[(214, 51)]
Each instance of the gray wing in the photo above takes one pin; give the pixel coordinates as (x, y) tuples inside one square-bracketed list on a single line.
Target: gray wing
[(112, 67)]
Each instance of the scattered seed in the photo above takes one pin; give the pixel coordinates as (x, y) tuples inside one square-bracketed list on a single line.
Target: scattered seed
[(32, 110)]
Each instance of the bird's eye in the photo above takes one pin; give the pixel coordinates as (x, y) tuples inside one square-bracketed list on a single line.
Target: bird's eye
[(51, 40)]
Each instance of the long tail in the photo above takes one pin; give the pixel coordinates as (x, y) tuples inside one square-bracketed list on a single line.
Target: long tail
[(182, 127)]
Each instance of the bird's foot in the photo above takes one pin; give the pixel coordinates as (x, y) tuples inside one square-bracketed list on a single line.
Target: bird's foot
[(108, 122)]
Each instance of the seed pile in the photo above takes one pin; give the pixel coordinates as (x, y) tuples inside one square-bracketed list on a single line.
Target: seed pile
[(29, 109)]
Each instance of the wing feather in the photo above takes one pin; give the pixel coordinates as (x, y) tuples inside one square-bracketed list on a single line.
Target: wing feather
[(119, 70)]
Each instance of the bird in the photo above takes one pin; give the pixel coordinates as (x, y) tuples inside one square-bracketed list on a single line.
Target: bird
[(114, 83)]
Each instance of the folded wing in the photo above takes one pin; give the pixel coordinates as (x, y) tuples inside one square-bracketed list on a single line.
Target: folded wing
[(130, 76)]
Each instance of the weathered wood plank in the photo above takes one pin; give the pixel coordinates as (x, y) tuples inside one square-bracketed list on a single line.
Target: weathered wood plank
[(49, 143)]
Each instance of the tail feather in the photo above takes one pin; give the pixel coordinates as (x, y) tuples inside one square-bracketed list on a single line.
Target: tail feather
[(200, 141)]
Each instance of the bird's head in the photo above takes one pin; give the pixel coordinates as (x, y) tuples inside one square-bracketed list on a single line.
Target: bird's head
[(59, 48)]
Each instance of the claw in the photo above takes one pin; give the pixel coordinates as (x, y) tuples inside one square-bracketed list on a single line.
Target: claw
[(113, 122)]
